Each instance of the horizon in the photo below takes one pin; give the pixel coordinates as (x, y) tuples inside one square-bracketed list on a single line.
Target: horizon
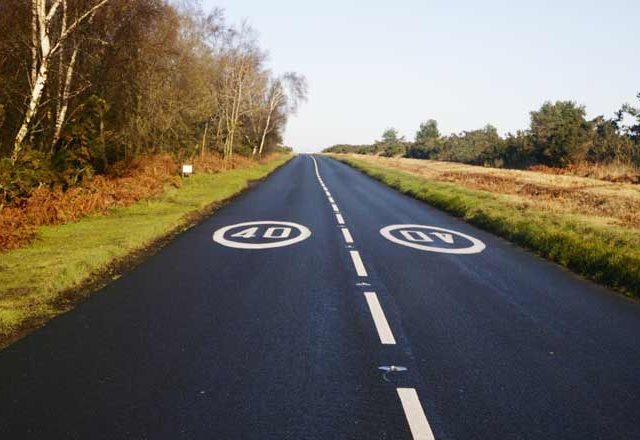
[(490, 64)]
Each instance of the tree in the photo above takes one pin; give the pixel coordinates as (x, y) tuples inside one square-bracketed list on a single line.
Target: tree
[(87, 83), (390, 136), (634, 113), (391, 144), (428, 132), (427, 143), (560, 133), (477, 147), (284, 94), (47, 40), (607, 144)]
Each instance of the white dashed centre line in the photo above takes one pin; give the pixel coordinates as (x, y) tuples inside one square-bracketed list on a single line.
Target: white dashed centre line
[(379, 319), (347, 236), (418, 424), (357, 262)]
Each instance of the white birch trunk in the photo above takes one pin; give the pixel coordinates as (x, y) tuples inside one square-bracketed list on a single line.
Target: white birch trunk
[(41, 37), (64, 98)]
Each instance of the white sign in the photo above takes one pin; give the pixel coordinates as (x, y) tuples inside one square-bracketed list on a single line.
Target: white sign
[(261, 235), (187, 169), (433, 239)]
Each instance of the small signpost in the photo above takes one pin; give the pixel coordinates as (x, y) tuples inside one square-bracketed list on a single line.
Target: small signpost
[(187, 170)]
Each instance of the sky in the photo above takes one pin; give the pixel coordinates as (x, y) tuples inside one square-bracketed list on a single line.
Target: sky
[(373, 64)]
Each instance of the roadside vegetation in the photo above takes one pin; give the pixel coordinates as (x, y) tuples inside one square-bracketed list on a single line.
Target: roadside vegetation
[(559, 140), (566, 187), (101, 101), (588, 225), (48, 276)]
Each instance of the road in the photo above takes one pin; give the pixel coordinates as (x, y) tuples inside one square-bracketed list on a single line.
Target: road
[(236, 339)]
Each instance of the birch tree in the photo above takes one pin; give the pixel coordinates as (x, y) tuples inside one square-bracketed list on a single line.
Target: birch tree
[(240, 74), (50, 32), (286, 92)]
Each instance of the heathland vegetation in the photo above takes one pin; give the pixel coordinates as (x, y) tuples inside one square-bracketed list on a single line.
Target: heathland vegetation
[(566, 187), (101, 100), (559, 137)]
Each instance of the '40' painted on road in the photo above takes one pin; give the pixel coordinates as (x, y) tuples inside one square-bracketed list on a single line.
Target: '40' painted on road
[(261, 234), (432, 239)]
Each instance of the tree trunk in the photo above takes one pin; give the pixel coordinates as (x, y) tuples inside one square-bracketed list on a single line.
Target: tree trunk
[(204, 138), (64, 99), (264, 133), (36, 94)]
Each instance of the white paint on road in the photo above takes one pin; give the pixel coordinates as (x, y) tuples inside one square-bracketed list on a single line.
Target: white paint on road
[(347, 236), (416, 418), (418, 423), (379, 319), (276, 230), (358, 264), (414, 236)]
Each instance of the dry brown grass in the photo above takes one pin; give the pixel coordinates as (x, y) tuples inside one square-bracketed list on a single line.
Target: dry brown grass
[(611, 202), (124, 184), (612, 172)]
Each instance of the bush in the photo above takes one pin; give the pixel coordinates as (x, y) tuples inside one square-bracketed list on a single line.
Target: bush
[(560, 133)]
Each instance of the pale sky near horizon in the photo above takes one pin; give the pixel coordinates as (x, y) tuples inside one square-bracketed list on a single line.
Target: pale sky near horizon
[(376, 64)]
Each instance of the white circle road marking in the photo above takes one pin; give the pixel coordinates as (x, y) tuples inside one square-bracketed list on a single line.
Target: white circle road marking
[(219, 235), (412, 237)]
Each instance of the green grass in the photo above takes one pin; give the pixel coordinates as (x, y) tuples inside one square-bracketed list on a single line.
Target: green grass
[(37, 281), (605, 253)]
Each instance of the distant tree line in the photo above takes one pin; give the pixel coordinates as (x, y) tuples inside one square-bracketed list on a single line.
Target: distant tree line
[(559, 135), (87, 83)]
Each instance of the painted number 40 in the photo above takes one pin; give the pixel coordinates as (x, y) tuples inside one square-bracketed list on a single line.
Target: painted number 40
[(265, 234), (421, 237), (272, 232), (432, 239)]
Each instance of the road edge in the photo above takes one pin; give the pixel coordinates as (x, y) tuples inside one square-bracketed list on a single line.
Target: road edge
[(627, 284), (68, 299)]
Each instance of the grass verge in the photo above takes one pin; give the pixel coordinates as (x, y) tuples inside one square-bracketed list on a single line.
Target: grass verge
[(67, 262), (603, 252)]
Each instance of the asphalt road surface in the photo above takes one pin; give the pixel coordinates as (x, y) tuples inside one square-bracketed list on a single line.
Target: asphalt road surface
[(278, 331)]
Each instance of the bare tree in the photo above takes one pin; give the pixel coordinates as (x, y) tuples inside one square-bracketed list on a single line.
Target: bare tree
[(240, 75), (285, 92)]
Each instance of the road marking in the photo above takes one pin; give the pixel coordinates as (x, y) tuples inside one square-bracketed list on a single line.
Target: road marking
[(415, 236), (357, 262), (418, 424), (379, 319), (271, 237), (347, 236)]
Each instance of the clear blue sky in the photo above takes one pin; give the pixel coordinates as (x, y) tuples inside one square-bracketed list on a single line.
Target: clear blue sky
[(376, 64)]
